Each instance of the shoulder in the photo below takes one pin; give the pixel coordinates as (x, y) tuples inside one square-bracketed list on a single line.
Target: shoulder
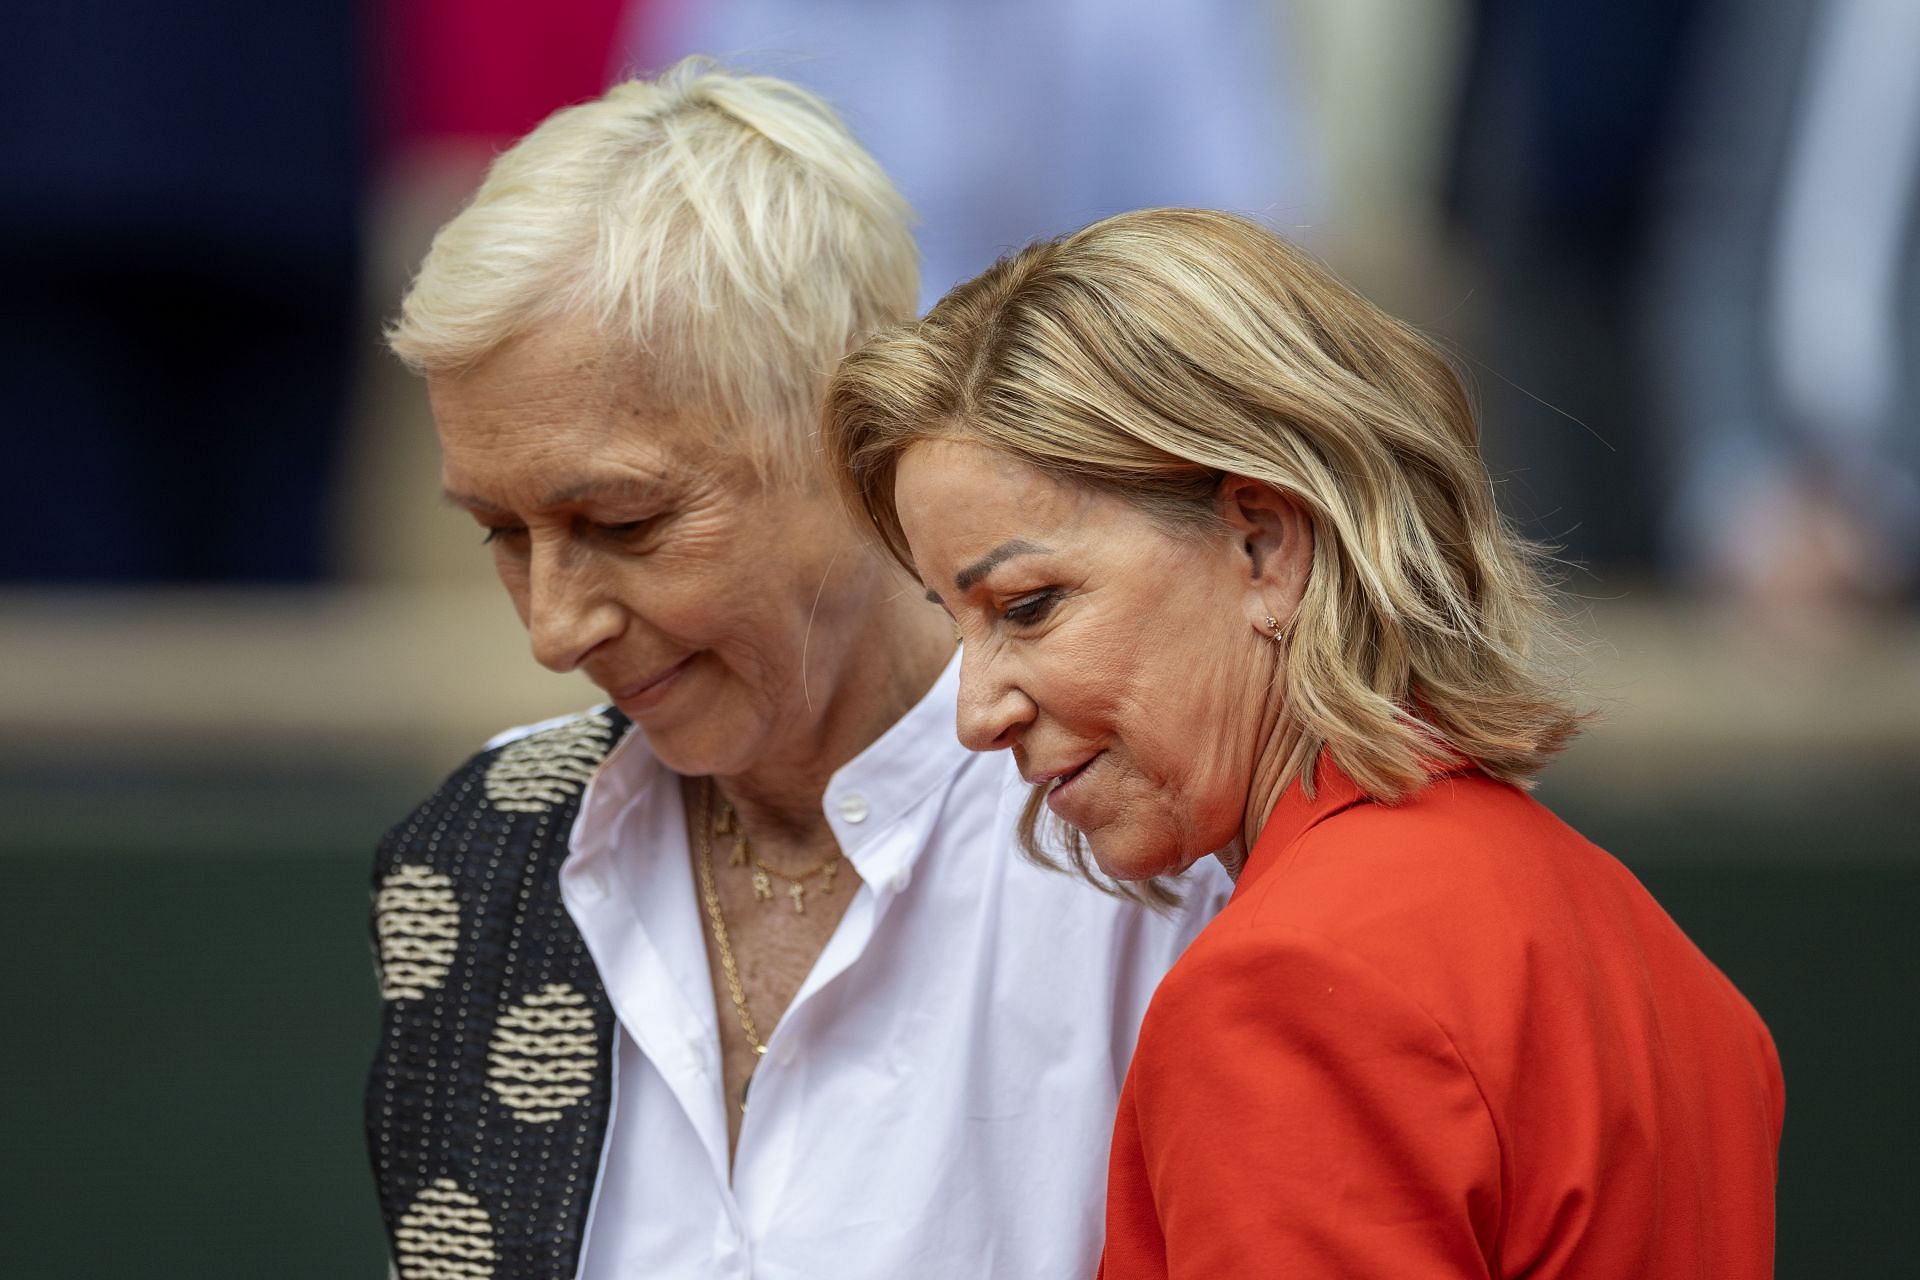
[(1278, 1017), (1301, 1015), (1462, 814), (1240, 977), (573, 721), (522, 774), (1445, 900), (482, 852), (1467, 865)]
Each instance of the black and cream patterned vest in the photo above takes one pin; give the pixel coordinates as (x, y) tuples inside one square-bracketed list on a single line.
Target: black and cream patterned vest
[(487, 1105)]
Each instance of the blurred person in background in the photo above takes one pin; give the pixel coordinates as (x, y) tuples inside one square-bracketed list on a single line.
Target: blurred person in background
[(1784, 313), (1230, 580), (179, 210), (1697, 225), (742, 973), (1564, 117)]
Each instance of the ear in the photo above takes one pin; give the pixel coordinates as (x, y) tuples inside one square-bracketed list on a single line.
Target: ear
[(1274, 534)]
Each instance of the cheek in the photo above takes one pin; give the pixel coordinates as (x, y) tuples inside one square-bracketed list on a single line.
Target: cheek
[(1079, 698), (1187, 757), (696, 585), (765, 611), (1080, 676)]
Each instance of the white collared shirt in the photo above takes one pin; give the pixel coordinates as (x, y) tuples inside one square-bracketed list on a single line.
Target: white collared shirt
[(939, 1097)]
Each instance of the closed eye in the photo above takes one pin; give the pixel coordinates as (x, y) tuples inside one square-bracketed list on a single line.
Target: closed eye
[(626, 530), (1030, 610), (497, 531)]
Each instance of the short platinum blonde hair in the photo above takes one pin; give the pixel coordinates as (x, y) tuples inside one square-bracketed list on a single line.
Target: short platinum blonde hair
[(725, 228), (1155, 353)]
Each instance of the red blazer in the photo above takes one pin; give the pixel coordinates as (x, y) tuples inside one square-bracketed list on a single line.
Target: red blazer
[(1447, 1038)]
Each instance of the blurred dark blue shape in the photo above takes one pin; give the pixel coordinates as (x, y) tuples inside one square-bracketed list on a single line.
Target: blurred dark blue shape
[(180, 188), (1564, 123)]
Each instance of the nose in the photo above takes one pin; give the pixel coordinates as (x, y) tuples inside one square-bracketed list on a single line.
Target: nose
[(994, 709), (568, 612)]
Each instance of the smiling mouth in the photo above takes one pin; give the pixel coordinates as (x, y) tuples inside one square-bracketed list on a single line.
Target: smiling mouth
[(1060, 788), (1060, 780), (640, 690)]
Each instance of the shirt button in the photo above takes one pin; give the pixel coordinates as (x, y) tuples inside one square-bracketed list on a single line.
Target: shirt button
[(591, 887), (853, 807), (783, 1056), (902, 878)]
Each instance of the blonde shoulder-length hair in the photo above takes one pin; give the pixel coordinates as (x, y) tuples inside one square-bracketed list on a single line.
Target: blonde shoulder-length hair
[(1152, 354)]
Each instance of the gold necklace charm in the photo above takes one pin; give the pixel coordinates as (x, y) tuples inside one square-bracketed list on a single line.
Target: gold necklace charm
[(764, 874), (729, 825)]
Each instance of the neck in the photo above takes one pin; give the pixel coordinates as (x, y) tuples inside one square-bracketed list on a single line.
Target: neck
[(1270, 780), (887, 668)]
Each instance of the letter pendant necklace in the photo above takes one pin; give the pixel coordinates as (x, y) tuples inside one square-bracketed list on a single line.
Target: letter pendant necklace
[(764, 874)]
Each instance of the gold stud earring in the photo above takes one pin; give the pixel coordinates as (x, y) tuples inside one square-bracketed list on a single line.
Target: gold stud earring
[(1273, 627)]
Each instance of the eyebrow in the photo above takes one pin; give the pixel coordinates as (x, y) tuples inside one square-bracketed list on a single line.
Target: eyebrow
[(454, 498), (625, 487), (963, 581)]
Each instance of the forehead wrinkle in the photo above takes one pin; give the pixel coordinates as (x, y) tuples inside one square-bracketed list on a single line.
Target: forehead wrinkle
[(605, 487), (566, 495)]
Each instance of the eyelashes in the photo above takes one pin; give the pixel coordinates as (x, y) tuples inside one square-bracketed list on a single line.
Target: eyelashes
[(618, 531), (1030, 610)]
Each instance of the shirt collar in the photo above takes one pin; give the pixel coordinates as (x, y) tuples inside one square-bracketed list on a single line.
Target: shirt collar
[(626, 774), (917, 755), (915, 758), (1297, 812)]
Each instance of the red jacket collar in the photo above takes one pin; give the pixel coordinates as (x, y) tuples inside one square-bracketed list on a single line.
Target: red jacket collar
[(1297, 812)]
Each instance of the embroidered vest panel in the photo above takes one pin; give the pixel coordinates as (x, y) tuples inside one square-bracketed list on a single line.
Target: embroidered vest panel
[(487, 1105)]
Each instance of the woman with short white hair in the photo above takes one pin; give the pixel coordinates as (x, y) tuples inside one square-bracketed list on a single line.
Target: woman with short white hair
[(776, 992)]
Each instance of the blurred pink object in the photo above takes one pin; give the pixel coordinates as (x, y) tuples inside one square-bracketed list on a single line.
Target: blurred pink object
[(491, 69)]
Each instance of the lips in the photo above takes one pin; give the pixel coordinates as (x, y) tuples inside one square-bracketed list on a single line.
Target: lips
[(640, 694), (1061, 783), (1046, 777)]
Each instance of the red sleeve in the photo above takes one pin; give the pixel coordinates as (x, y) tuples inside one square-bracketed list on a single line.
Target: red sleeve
[(1296, 1114)]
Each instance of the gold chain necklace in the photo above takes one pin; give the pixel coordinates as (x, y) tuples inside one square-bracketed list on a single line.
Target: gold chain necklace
[(764, 874), (711, 897)]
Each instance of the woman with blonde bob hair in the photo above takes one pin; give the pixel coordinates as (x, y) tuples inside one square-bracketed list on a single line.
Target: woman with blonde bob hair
[(1230, 580)]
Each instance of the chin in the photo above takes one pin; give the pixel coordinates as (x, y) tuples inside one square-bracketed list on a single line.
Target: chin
[(1124, 859), (714, 745)]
